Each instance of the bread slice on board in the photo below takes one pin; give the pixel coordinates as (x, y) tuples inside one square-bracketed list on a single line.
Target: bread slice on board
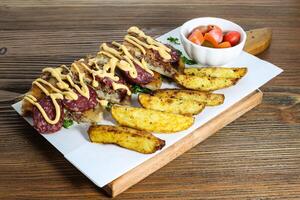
[(258, 40)]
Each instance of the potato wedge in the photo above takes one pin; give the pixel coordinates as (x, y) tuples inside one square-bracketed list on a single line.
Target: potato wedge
[(218, 72), (210, 99), (172, 105), (136, 140), (150, 120), (204, 83), (155, 83)]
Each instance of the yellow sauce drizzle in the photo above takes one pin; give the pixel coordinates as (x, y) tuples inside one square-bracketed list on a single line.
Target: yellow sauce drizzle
[(107, 71), (111, 50), (106, 54), (125, 59), (69, 94), (103, 103), (151, 43), (53, 97), (117, 86), (84, 90), (121, 59), (143, 63), (64, 90), (128, 39), (56, 73)]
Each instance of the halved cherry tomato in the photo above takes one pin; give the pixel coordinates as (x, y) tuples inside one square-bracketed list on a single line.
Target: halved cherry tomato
[(233, 37), (224, 45), (196, 37), (211, 39)]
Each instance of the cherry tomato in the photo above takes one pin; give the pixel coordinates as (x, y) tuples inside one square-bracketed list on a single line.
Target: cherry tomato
[(233, 37), (196, 37)]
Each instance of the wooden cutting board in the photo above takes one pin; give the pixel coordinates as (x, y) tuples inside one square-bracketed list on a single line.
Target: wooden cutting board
[(143, 170)]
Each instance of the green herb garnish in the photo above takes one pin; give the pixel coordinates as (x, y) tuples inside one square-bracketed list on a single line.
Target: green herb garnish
[(179, 52), (138, 89), (67, 123), (108, 106), (173, 40), (185, 59), (188, 61)]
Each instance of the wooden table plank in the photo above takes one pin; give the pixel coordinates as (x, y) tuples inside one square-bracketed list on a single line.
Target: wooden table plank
[(256, 157)]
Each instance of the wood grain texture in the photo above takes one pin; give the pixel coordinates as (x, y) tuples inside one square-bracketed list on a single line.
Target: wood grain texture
[(255, 157)]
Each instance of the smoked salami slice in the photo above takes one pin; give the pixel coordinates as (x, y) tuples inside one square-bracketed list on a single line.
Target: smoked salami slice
[(143, 77), (82, 103), (105, 91), (40, 124)]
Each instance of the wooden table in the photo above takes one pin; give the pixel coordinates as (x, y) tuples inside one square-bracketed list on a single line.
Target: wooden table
[(256, 157)]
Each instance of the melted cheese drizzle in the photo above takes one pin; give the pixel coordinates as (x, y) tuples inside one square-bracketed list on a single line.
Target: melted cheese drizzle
[(122, 59), (84, 90), (163, 51), (57, 74), (126, 61), (103, 103), (53, 97), (64, 90)]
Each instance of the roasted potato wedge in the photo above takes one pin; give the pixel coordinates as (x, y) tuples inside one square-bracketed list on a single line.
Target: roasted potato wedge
[(155, 84), (150, 120), (218, 72), (204, 83), (172, 105), (210, 99), (136, 140)]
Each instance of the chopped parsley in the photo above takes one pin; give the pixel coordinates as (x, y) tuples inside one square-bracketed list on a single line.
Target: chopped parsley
[(179, 52), (67, 123), (188, 61), (138, 89), (108, 106), (173, 40), (184, 58)]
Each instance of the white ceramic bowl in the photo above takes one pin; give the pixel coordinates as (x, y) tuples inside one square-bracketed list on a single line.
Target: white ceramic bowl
[(206, 55)]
